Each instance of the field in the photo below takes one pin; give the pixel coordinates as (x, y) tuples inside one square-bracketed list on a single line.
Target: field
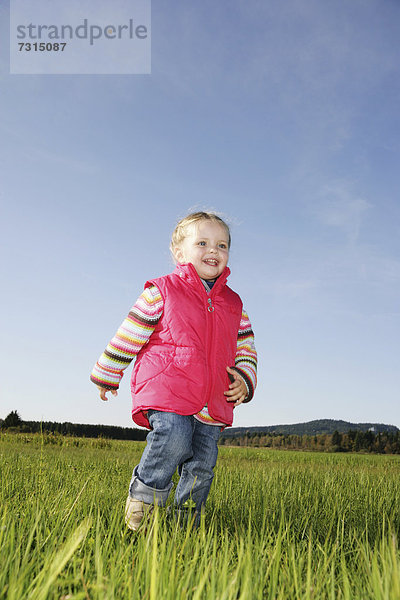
[(278, 525)]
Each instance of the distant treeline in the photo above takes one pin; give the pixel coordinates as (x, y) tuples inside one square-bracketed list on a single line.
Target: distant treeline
[(14, 422), (352, 441), (316, 427)]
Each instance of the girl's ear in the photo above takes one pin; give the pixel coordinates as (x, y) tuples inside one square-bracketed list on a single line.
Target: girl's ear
[(178, 255)]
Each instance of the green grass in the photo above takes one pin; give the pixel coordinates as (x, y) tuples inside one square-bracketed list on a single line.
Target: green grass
[(278, 525)]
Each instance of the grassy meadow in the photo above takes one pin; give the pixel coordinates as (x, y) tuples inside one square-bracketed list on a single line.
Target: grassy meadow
[(278, 525)]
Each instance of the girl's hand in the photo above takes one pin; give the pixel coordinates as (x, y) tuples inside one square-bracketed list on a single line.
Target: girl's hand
[(237, 390), (103, 392)]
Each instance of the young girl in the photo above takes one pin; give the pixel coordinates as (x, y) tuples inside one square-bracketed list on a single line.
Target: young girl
[(195, 361)]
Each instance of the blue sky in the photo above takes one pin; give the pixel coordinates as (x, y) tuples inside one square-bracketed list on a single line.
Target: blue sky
[(284, 116)]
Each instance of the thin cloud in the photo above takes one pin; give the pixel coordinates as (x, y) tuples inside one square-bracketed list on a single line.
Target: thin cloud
[(339, 207)]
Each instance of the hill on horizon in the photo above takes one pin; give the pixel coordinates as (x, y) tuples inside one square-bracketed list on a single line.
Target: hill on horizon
[(316, 427)]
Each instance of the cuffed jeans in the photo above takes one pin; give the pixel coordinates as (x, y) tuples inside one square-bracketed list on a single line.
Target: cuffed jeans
[(176, 441)]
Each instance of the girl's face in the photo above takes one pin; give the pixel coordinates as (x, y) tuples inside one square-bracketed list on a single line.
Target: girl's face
[(206, 246)]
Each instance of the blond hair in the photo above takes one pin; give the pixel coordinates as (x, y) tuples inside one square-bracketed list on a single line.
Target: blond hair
[(181, 230)]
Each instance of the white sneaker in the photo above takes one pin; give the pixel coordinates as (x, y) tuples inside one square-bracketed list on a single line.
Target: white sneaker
[(135, 511)]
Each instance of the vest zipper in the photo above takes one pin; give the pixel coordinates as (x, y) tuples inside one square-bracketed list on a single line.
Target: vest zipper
[(210, 348)]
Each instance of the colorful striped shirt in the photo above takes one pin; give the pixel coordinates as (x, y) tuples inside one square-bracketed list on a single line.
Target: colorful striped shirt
[(134, 333)]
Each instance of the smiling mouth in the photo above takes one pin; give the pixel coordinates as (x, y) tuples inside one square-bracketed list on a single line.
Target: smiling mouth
[(212, 262)]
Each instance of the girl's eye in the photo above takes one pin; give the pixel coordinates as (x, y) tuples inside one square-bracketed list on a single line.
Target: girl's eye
[(223, 246), (202, 243)]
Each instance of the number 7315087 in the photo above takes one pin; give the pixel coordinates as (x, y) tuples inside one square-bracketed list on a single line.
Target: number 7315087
[(42, 46)]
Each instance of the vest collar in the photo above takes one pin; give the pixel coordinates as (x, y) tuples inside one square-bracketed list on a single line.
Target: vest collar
[(189, 273)]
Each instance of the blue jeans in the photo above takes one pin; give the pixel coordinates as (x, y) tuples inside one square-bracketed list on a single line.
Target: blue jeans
[(176, 441)]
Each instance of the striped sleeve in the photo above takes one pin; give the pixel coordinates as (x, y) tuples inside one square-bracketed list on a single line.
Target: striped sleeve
[(132, 335), (246, 355)]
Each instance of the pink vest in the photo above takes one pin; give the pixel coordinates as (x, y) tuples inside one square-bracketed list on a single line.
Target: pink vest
[(183, 366)]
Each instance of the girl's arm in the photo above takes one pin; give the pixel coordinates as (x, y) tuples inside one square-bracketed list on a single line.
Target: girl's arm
[(246, 356), (132, 335)]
